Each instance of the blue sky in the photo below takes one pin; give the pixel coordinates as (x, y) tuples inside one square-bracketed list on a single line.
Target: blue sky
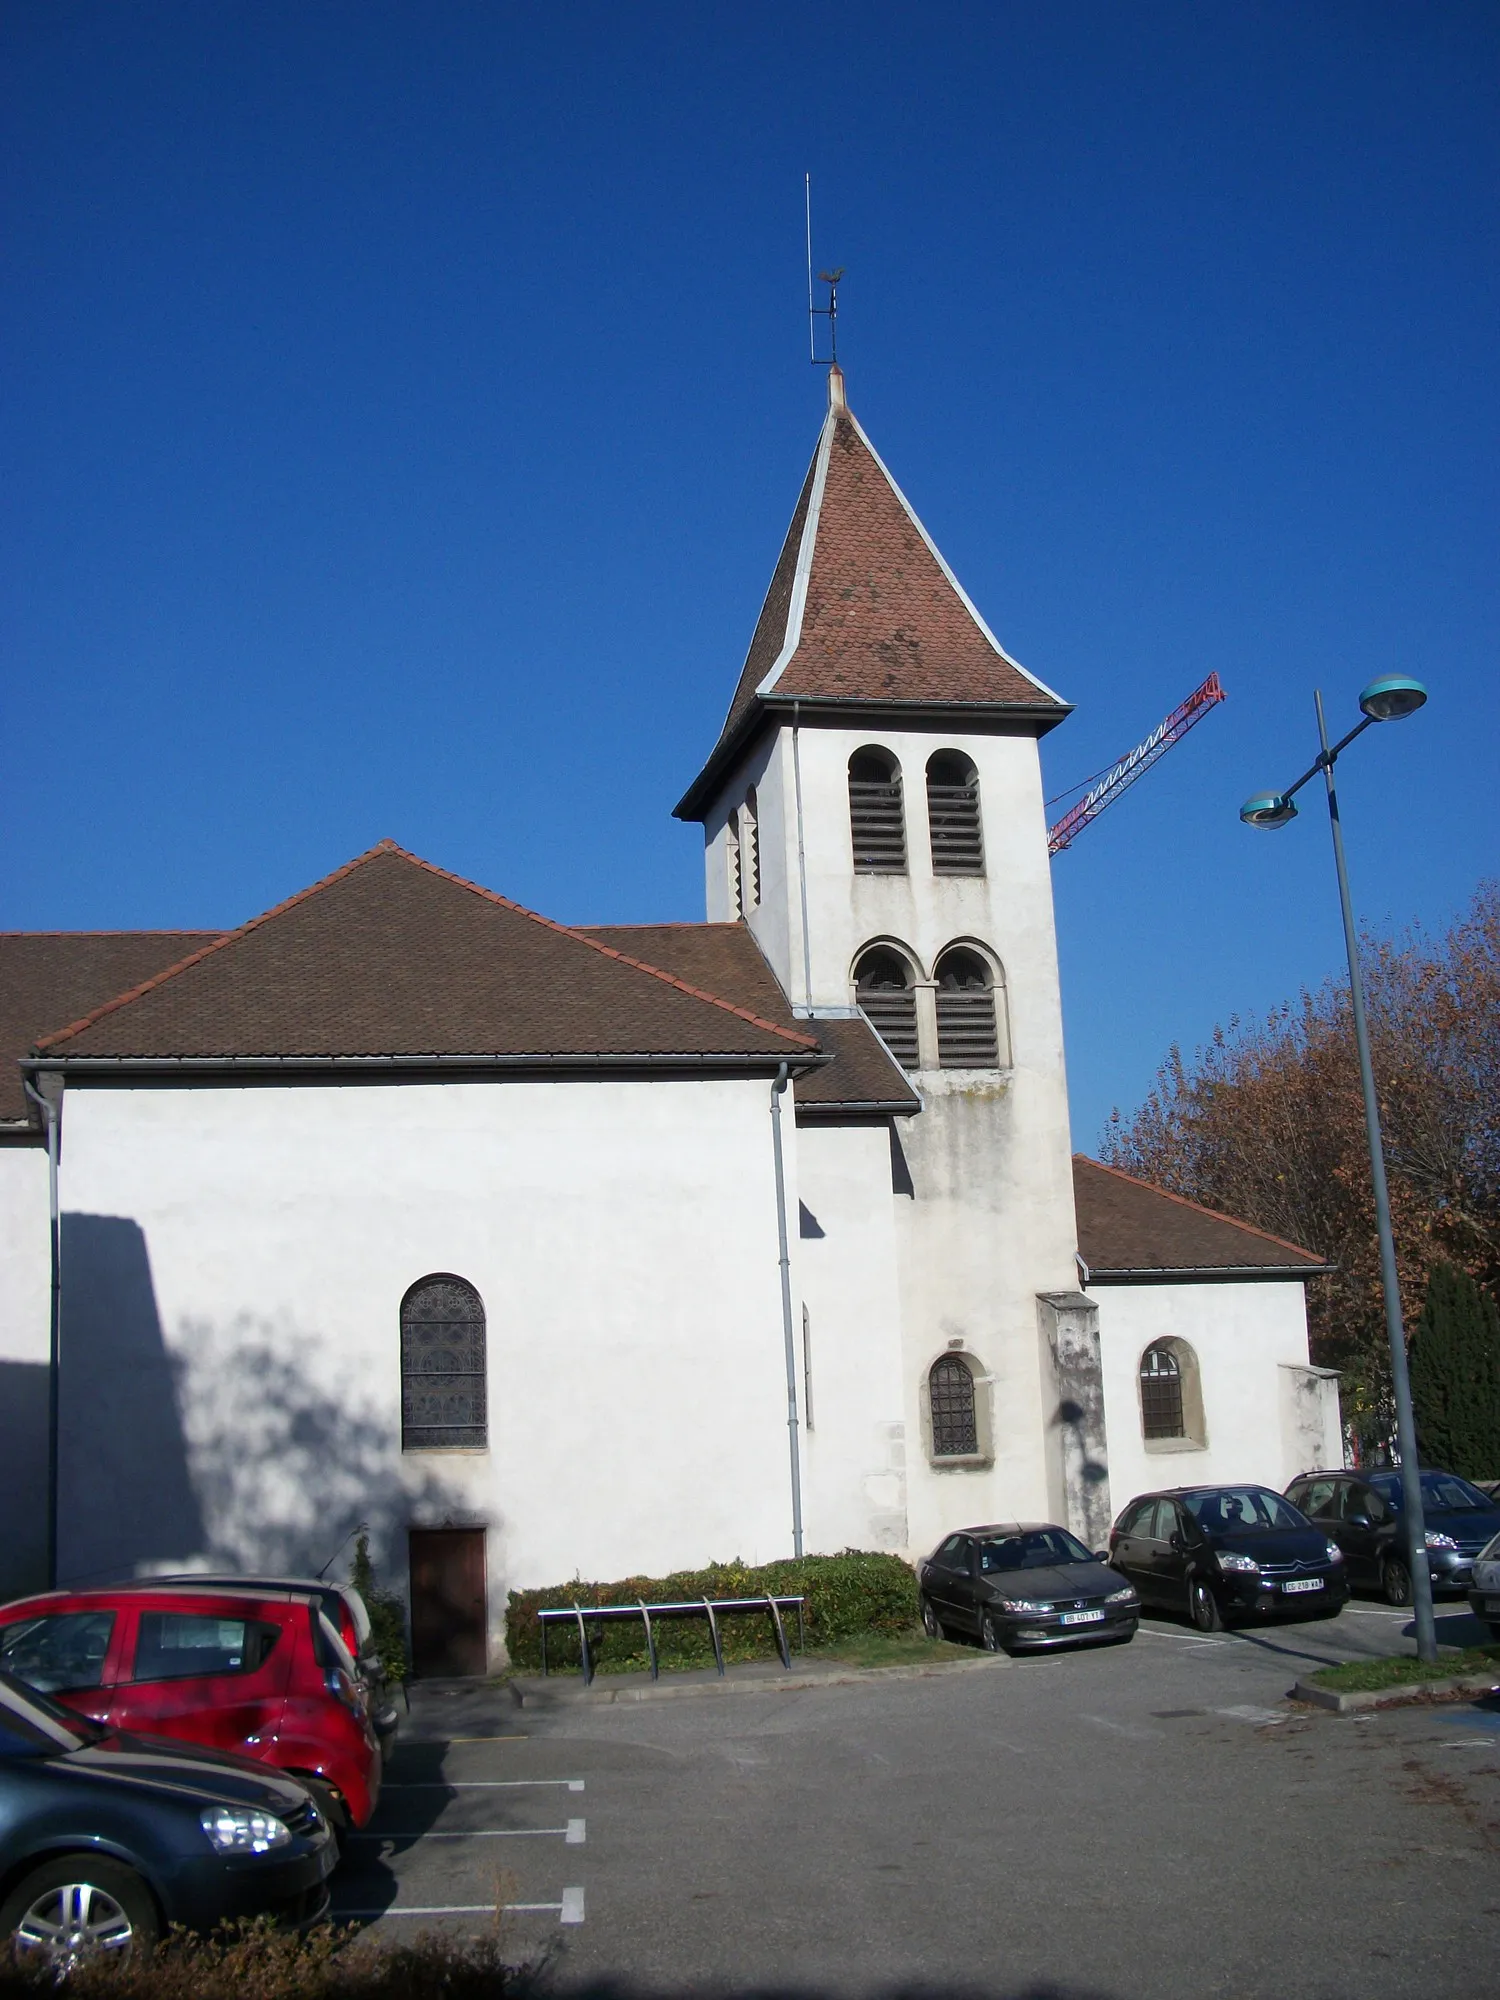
[(404, 406)]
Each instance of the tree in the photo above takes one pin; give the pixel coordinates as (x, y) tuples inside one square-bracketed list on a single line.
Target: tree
[(1267, 1123), (1455, 1375)]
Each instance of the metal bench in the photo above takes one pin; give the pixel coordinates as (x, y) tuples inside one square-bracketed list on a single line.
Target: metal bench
[(709, 1607)]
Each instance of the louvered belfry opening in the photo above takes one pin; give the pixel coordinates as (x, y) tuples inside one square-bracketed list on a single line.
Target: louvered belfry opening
[(877, 818), (750, 848), (953, 814), (955, 1423), (736, 868), (967, 1028), (442, 1367), (1161, 1394), (883, 987)]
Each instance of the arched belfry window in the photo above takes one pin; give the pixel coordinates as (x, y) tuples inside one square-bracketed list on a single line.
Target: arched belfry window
[(750, 851), (955, 1420), (953, 814), (884, 988), (734, 851), (877, 818), (967, 1025), (442, 1367)]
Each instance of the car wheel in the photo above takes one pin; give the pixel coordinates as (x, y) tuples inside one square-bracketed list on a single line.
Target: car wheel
[(1395, 1581), (329, 1804), (79, 1910), (1203, 1606), (989, 1635), (931, 1624)]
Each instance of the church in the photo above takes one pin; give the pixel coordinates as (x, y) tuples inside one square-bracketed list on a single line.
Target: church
[(548, 1252)]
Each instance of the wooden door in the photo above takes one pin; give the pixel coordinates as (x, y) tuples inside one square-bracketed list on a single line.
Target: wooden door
[(448, 1616)]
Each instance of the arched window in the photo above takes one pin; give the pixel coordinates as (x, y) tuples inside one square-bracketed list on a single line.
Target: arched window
[(877, 819), (442, 1367), (1161, 1394), (750, 850), (955, 1421), (734, 854), (883, 988), (953, 814), (967, 1029)]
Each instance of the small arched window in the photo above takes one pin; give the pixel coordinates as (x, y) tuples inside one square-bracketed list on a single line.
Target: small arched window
[(443, 1367), (953, 814), (967, 1028), (955, 1420), (1161, 1394), (750, 851), (884, 989), (877, 818)]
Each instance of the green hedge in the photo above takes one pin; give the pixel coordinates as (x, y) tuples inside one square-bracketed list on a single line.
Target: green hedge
[(858, 1591)]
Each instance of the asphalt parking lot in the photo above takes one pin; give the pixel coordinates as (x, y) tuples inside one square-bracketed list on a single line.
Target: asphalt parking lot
[(1134, 1823)]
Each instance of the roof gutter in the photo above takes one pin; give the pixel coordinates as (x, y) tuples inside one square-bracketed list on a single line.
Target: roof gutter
[(1204, 1274), (866, 1107), (542, 1062)]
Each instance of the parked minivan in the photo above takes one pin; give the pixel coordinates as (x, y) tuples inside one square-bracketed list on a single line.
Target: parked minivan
[(259, 1673)]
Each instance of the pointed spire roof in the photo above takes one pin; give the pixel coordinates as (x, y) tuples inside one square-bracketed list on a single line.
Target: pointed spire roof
[(864, 612)]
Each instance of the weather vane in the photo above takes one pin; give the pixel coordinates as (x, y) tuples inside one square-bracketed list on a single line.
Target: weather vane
[(830, 312)]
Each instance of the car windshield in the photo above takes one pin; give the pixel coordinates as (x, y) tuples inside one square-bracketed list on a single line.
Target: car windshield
[(1032, 1548), (32, 1724), (1444, 1492), (1241, 1510)]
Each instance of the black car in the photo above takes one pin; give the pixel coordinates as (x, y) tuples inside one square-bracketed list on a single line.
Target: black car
[(1362, 1512), (1220, 1552), (1019, 1586), (105, 1840)]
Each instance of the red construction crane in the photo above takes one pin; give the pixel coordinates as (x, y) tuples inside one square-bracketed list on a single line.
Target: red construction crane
[(1140, 760)]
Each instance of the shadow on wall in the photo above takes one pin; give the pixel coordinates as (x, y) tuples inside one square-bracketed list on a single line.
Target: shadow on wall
[(220, 1452), (286, 1470), (124, 1489), (23, 1477)]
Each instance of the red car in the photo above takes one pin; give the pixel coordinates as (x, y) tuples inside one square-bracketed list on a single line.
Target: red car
[(261, 1673)]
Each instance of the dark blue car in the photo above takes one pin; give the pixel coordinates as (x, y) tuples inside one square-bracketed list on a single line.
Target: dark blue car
[(1362, 1512), (107, 1840)]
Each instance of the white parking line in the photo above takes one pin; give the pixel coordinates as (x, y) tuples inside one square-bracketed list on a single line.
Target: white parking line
[(564, 1833), (485, 1785), (569, 1910), (576, 1834)]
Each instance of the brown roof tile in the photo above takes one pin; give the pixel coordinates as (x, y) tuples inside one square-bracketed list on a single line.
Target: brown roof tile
[(390, 956), (880, 618), (49, 977), (1127, 1227)]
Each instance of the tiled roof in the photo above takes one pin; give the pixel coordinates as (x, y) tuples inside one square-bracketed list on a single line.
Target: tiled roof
[(863, 609), (390, 956), (51, 977), (726, 959), (1129, 1229)]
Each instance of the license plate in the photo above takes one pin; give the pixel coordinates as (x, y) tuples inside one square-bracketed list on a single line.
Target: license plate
[(1081, 1617), (1304, 1583), (1492, 1607)]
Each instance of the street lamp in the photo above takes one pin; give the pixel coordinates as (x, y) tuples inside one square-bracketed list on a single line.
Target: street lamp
[(1389, 699)]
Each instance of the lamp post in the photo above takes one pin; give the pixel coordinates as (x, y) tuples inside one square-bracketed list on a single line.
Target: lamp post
[(1389, 699)]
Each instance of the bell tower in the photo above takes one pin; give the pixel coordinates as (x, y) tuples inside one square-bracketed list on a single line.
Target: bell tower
[(873, 812)]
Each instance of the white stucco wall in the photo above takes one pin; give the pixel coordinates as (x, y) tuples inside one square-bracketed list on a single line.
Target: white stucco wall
[(25, 1276), (1251, 1345), (251, 1249)]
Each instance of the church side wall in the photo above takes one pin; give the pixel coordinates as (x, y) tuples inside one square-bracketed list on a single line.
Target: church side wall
[(25, 1280), (235, 1265), (1243, 1338)]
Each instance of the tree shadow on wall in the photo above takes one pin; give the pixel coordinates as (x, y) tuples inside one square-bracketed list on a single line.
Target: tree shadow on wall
[(125, 1493), (285, 1468)]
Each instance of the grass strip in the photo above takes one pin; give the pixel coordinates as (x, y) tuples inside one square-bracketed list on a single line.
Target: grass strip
[(1403, 1670)]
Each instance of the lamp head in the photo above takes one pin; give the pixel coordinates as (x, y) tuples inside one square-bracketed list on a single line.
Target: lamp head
[(1392, 697), (1268, 809)]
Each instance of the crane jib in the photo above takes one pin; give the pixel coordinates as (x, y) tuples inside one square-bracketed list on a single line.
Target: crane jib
[(1124, 774)]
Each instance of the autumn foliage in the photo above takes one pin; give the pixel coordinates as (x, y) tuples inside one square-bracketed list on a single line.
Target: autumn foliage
[(1267, 1123)]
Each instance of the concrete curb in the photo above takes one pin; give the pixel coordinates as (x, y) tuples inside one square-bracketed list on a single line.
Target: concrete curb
[(1392, 1697), (539, 1694)]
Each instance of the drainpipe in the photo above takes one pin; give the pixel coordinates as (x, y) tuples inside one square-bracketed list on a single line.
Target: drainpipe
[(49, 1101), (786, 1310)]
